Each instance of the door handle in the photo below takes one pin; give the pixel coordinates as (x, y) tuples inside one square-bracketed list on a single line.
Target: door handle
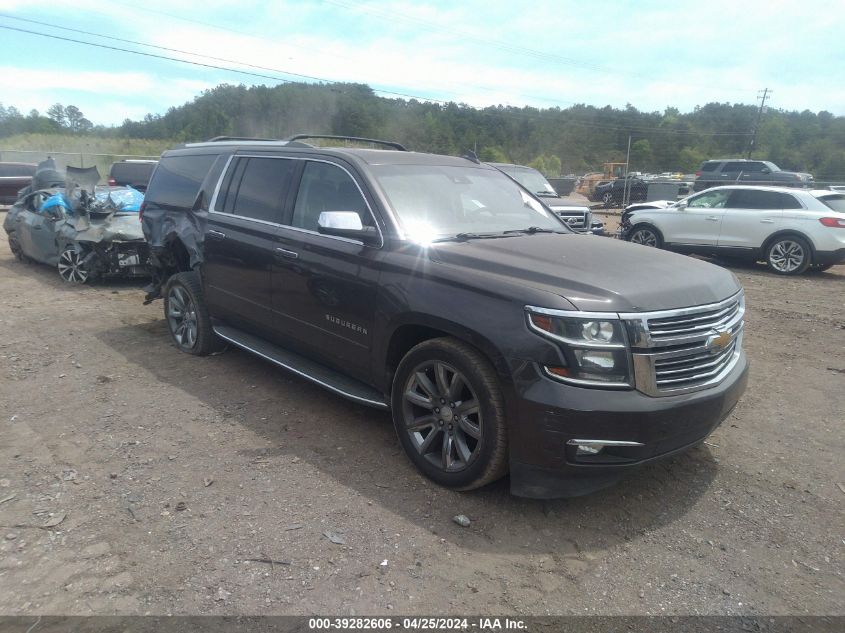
[(713, 218), (216, 235), (281, 252), (767, 221)]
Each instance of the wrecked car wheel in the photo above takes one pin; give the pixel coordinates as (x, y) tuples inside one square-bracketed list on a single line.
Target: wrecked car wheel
[(449, 413), (71, 266), (15, 247), (187, 316)]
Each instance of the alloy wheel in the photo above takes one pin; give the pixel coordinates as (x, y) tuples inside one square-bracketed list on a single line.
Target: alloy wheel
[(646, 237), (182, 317), (787, 256), (442, 416), (71, 267)]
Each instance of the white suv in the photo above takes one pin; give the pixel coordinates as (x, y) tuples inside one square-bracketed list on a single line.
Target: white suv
[(791, 230)]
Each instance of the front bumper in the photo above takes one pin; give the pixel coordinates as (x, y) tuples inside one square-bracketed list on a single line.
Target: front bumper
[(551, 414)]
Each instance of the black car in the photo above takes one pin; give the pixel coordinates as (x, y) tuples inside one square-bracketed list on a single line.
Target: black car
[(437, 288), (738, 171), (132, 173), (615, 192)]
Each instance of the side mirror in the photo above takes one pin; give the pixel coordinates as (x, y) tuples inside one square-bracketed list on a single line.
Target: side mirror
[(682, 205), (346, 224)]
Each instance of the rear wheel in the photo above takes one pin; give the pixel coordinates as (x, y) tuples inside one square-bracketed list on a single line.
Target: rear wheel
[(788, 255), (645, 235), (607, 198), (72, 266), (449, 413), (187, 317)]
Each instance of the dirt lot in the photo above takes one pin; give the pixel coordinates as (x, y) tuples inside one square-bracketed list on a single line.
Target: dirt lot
[(168, 476)]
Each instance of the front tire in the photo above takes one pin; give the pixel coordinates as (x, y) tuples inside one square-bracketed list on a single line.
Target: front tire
[(645, 235), (449, 414), (607, 199), (788, 255), (72, 267), (187, 316)]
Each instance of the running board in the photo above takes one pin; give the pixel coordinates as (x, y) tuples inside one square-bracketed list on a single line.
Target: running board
[(301, 366)]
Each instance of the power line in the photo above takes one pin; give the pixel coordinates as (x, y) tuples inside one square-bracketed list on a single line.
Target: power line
[(484, 111)]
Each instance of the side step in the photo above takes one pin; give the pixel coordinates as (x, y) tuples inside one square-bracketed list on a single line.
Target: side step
[(301, 366)]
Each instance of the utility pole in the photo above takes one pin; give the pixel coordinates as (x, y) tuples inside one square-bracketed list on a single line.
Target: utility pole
[(762, 96)]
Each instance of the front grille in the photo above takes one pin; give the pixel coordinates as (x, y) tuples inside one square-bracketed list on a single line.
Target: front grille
[(692, 324), (675, 351), (692, 370), (576, 220)]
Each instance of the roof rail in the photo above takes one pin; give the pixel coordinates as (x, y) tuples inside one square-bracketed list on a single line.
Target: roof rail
[(239, 138), (393, 144)]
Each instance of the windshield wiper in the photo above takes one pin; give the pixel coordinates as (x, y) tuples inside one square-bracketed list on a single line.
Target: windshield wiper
[(545, 194), (531, 230), (475, 236)]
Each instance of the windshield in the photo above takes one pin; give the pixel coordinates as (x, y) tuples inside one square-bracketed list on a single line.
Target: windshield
[(435, 201), (532, 180)]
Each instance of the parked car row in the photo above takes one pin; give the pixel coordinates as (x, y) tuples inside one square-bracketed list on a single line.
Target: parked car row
[(792, 230)]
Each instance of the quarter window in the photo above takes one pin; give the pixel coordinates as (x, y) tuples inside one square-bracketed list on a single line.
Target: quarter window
[(178, 180)]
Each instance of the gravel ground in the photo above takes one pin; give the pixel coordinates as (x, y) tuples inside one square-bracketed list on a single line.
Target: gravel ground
[(135, 479)]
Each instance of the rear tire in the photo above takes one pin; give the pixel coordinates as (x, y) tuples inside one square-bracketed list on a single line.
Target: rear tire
[(607, 199), (449, 414), (15, 247), (788, 255), (187, 316)]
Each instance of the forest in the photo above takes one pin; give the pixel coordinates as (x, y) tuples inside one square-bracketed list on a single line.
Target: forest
[(575, 140)]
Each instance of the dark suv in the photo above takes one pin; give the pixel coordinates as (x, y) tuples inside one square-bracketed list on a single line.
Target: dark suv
[(438, 288), (732, 171)]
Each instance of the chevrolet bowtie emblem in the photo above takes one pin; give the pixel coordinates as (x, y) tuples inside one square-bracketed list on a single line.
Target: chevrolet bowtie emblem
[(718, 342)]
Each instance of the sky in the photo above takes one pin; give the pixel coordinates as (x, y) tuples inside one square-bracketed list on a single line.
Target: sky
[(646, 53)]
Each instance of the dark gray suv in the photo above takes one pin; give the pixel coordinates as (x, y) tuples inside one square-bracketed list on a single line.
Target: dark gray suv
[(739, 171), (439, 289)]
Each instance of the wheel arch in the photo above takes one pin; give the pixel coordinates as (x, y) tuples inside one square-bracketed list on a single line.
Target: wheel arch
[(418, 328)]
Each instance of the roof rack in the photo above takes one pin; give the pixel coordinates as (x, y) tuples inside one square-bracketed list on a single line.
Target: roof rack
[(393, 144), (239, 138)]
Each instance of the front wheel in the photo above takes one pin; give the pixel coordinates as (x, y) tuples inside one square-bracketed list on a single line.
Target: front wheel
[(187, 317), (72, 266), (607, 199), (645, 235), (788, 255), (449, 414)]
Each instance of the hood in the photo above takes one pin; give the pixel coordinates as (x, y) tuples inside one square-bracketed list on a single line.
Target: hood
[(594, 273)]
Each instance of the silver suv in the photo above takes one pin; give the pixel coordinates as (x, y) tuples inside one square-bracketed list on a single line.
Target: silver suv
[(714, 173)]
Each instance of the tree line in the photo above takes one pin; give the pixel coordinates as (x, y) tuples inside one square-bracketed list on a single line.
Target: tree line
[(557, 140)]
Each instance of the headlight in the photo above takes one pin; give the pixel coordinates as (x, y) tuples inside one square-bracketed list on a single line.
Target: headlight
[(595, 349)]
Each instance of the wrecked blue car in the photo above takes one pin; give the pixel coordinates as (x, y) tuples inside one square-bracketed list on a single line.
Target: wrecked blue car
[(85, 230)]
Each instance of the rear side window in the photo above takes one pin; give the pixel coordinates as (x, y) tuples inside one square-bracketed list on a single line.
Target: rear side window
[(788, 201), (178, 179), (710, 166), (751, 199), (257, 188), (734, 167)]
